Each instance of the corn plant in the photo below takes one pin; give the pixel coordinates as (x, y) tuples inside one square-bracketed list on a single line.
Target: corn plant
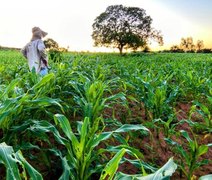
[(42, 143), (90, 96), (156, 97), (167, 126), (189, 160), (83, 159), (17, 106), (205, 113), (194, 82), (12, 159)]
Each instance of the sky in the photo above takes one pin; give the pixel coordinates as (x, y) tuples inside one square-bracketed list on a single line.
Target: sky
[(69, 22)]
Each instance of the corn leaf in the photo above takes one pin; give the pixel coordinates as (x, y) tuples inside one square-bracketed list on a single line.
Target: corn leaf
[(10, 160), (6, 155), (34, 174), (66, 127), (130, 127), (163, 173), (206, 177), (112, 166)]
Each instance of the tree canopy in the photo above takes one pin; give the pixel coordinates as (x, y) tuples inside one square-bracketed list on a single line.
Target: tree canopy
[(124, 28), (51, 44)]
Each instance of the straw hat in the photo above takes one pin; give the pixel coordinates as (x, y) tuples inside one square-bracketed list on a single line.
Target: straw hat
[(38, 33)]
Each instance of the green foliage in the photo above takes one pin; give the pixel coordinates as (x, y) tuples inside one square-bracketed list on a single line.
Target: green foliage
[(55, 55), (205, 114), (124, 27), (168, 126), (51, 44), (189, 160), (103, 90), (206, 177), (17, 105), (111, 168), (187, 44), (54, 51), (165, 172), (11, 160), (89, 95), (82, 152)]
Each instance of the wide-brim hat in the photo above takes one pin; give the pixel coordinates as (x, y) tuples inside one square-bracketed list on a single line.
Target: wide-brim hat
[(38, 32)]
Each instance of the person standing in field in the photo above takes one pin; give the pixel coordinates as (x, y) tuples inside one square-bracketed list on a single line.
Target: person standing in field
[(35, 52)]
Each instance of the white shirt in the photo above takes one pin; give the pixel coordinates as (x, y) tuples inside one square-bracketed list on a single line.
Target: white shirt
[(34, 51)]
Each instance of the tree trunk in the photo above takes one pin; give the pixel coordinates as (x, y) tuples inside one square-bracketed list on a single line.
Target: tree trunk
[(121, 49)]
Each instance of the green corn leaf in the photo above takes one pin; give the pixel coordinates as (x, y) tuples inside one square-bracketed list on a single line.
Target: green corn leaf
[(84, 133), (101, 137), (43, 81), (11, 159), (10, 87), (130, 150), (209, 145), (120, 138), (202, 150), (206, 177), (34, 174), (178, 148), (66, 170), (163, 173), (7, 109), (130, 127), (112, 166), (45, 126), (190, 141), (106, 135), (43, 102), (171, 142), (66, 127), (116, 96), (140, 164), (6, 155)]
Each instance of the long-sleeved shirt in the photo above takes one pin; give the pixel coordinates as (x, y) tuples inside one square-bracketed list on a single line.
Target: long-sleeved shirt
[(35, 52)]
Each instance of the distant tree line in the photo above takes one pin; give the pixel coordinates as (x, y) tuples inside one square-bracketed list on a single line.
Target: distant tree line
[(187, 45), (9, 48)]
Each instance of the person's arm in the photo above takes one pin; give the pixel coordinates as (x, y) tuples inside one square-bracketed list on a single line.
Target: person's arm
[(42, 52), (24, 51)]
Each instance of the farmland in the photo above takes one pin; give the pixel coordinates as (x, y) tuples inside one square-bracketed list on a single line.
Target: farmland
[(100, 115)]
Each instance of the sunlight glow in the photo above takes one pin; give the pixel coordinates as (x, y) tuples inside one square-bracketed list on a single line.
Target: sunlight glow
[(70, 22)]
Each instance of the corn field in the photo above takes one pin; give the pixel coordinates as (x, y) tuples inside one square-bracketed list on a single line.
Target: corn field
[(106, 116)]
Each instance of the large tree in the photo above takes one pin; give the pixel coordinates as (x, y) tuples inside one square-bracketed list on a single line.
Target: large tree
[(200, 45), (187, 44), (51, 44), (124, 27)]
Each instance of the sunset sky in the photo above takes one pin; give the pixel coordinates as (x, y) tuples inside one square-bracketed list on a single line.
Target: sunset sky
[(69, 22)]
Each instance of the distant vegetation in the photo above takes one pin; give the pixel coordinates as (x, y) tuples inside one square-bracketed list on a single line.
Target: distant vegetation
[(188, 45), (9, 48)]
